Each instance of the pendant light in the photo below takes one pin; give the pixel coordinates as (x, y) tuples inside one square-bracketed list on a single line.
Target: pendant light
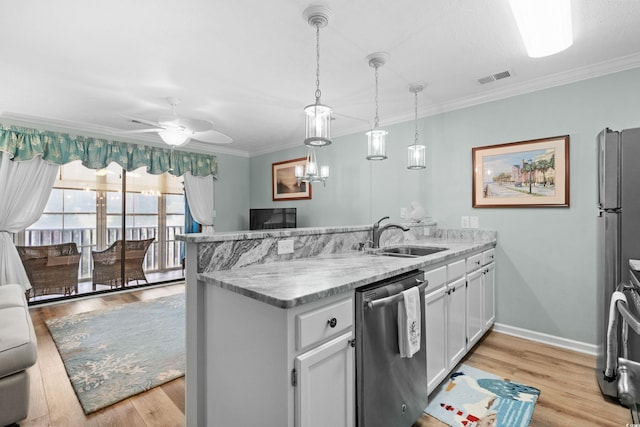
[(417, 154), (311, 172), (376, 146), (317, 115)]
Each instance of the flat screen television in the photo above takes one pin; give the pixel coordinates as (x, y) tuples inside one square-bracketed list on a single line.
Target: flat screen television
[(266, 219)]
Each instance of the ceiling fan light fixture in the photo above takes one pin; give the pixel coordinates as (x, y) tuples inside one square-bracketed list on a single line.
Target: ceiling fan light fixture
[(545, 25), (174, 137)]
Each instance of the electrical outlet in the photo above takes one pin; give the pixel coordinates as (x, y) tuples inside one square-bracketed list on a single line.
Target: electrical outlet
[(474, 222), (464, 222), (285, 246)]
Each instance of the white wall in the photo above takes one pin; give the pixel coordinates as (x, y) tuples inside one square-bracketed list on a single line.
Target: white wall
[(546, 256)]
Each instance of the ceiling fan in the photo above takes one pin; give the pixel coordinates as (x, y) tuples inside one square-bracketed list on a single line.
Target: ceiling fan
[(175, 130)]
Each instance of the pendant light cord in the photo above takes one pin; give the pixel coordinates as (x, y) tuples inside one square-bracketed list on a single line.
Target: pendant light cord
[(375, 126), (415, 141), (318, 93)]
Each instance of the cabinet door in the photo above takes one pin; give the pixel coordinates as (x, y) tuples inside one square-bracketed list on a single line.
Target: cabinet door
[(489, 284), (326, 384), (456, 321), (475, 306), (436, 336)]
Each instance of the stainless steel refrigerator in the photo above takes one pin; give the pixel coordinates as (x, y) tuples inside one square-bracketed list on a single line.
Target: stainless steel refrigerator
[(618, 241)]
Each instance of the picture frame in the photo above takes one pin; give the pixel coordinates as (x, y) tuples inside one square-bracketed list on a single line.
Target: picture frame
[(285, 185), (524, 174)]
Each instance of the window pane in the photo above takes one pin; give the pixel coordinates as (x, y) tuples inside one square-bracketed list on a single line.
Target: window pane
[(79, 201), (175, 221), (114, 221), (80, 221), (175, 204), (55, 201), (142, 203), (47, 221), (145, 221), (114, 202)]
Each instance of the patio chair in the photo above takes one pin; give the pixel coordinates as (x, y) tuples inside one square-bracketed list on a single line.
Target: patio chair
[(106, 264), (51, 269)]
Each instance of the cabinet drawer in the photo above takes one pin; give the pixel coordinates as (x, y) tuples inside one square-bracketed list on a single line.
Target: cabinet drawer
[(474, 262), (455, 270), (488, 256), (436, 278), (316, 325)]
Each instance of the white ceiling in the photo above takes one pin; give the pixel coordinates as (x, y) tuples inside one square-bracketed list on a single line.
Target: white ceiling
[(249, 65)]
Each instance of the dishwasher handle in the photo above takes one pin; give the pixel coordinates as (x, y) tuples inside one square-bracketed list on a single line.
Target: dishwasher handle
[(382, 302)]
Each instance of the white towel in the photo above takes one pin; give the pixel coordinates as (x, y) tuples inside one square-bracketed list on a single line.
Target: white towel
[(409, 317)]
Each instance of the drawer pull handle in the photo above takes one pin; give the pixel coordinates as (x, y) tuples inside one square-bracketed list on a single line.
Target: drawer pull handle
[(332, 322)]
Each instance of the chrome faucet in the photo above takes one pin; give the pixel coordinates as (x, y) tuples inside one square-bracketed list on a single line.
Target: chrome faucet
[(377, 230)]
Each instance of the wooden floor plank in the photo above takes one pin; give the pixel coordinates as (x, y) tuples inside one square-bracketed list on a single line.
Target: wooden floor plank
[(158, 410), (569, 391)]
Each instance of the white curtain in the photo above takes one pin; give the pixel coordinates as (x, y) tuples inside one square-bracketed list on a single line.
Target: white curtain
[(24, 191), (199, 191)]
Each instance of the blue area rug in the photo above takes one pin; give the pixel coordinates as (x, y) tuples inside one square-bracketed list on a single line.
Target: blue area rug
[(474, 398), (116, 353)]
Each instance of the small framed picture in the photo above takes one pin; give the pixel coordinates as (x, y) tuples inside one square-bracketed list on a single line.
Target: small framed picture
[(522, 174), (285, 185)]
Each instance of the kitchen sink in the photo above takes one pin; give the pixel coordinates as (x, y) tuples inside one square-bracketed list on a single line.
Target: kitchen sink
[(410, 251)]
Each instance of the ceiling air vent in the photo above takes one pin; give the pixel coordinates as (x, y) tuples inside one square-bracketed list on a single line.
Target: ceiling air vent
[(493, 77)]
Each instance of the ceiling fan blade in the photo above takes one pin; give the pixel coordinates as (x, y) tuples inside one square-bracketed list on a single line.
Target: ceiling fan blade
[(194, 125), (141, 130), (213, 137), (138, 120)]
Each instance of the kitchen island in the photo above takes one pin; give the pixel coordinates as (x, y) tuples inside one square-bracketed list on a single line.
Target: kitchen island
[(259, 350)]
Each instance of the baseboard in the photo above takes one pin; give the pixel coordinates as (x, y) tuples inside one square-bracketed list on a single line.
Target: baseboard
[(568, 344)]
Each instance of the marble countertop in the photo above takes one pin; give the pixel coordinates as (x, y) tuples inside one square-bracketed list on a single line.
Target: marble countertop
[(291, 283)]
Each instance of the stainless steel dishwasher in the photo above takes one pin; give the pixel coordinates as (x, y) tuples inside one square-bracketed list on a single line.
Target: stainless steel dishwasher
[(390, 390)]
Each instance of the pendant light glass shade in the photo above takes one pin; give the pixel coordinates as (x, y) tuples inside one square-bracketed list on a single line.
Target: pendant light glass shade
[(317, 125), (377, 145), (416, 153), (417, 158), (317, 115), (174, 137), (311, 171)]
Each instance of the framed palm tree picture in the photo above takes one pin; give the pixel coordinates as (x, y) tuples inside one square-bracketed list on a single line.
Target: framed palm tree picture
[(531, 173)]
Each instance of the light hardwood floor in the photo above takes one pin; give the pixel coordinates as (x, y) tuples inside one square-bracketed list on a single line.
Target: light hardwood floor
[(569, 391)]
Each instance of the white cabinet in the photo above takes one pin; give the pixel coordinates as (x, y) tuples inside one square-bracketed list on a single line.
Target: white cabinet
[(436, 326), (276, 367), (480, 295), (475, 307), (445, 314), (323, 374), (325, 385), (459, 309), (489, 284), (456, 321)]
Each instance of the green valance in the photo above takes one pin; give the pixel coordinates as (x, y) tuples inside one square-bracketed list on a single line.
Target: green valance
[(96, 153)]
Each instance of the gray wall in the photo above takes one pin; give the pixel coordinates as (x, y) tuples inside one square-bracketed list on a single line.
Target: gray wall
[(546, 256), (231, 192)]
